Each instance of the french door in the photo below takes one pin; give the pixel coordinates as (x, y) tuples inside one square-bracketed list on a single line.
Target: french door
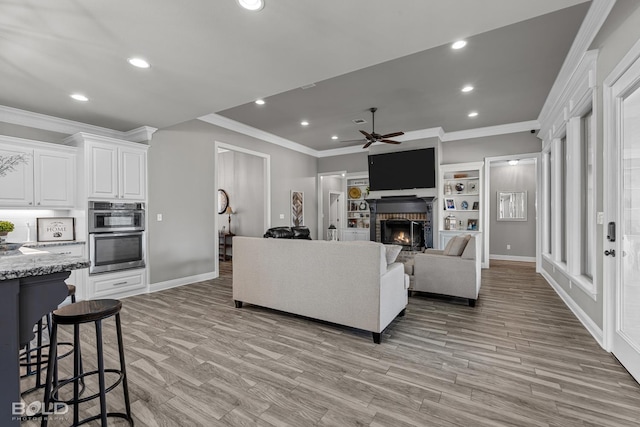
[(622, 242)]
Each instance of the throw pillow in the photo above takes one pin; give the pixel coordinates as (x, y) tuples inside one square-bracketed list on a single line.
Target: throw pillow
[(456, 246), (392, 252)]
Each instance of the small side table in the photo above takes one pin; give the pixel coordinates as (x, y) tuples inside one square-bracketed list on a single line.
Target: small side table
[(225, 241)]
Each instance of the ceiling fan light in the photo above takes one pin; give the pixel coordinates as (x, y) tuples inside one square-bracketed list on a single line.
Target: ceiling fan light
[(253, 5)]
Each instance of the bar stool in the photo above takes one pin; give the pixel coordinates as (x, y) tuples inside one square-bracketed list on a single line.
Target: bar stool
[(77, 314), (41, 359)]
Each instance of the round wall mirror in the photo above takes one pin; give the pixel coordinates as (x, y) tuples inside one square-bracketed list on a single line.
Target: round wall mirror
[(223, 201)]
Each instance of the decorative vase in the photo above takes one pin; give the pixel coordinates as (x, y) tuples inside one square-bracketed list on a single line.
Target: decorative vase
[(3, 236)]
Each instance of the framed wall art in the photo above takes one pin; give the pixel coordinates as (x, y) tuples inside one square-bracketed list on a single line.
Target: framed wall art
[(297, 208), (58, 229)]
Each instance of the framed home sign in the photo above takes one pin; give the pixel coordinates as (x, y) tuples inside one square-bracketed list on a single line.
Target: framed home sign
[(59, 229)]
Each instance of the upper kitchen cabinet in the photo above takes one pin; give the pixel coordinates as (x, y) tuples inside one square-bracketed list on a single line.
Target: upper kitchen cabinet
[(113, 169), (41, 175)]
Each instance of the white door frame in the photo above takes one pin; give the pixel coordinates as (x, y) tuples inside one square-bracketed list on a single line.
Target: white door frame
[(611, 181), (341, 208), (321, 176), (487, 199), (266, 181)]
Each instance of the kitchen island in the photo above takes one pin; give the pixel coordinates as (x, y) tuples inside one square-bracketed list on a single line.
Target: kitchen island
[(31, 285)]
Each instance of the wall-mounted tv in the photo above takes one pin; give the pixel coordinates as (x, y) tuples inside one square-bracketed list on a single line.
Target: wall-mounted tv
[(403, 170)]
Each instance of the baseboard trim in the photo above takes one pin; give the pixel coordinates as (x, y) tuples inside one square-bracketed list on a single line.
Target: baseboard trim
[(174, 283), (512, 258), (586, 321)]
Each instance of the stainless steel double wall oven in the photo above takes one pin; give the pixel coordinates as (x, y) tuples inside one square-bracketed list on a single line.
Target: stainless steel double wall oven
[(116, 236)]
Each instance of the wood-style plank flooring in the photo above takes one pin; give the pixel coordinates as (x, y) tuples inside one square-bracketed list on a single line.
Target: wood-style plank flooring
[(519, 358)]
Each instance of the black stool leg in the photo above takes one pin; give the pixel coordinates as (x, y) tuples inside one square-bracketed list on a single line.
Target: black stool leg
[(76, 372), (38, 356), (103, 397), (53, 354), (125, 386)]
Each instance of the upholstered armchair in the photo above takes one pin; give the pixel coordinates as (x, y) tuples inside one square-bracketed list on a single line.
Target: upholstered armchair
[(454, 271)]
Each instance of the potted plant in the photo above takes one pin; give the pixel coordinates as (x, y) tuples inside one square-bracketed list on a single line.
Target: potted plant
[(5, 228)]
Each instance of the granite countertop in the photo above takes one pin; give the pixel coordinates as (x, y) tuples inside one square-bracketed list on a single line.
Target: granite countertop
[(33, 262), (49, 244)]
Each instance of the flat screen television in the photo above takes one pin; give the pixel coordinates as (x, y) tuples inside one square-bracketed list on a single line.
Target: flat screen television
[(403, 170)]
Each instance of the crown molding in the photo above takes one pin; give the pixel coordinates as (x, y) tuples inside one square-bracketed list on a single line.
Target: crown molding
[(55, 124), (218, 120), (596, 15), (422, 134), (492, 131)]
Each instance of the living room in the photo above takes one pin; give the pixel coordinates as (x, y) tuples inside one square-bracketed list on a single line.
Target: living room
[(183, 247)]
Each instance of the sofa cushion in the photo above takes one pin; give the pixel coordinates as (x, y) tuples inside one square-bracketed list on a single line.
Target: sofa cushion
[(279, 233), (392, 252), (456, 246), (470, 250), (301, 233)]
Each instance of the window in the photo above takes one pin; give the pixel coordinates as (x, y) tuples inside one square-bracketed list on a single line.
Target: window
[(564, 190)]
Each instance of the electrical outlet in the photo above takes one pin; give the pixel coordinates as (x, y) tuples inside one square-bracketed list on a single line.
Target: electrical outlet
[(281, 216), (159, 217), (508, 247), (600, 218)]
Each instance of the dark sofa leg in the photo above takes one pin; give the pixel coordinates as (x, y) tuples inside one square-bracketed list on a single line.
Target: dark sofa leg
[(376, 337), (472, 302), (409, 293), (402, 313), (238, 304)]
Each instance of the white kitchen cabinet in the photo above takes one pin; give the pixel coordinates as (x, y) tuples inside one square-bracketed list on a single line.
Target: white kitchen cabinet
[(118, 284), (116, 171), (46, 179)]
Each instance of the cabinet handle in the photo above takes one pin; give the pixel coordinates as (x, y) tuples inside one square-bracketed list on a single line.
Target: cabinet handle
[(120, 283), (38, 203), (30, 203)]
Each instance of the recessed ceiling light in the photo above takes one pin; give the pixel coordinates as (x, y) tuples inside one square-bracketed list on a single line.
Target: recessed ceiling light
[(334, 137), (513, 162), (260, 101), (79, 97), (473, 114), (138, 62), (304, 123), (467, 88), (459, 44), (253, 5)]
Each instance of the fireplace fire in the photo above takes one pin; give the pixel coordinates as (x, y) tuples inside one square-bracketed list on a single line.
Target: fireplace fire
[(408, 233)]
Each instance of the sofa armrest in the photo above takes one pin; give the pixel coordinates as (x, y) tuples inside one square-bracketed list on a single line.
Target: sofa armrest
[(393, 294)]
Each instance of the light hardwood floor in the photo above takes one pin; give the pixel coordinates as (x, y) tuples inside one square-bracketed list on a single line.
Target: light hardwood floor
[(519, 358)]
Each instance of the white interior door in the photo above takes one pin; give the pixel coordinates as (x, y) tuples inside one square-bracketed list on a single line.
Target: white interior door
[(624, 169)]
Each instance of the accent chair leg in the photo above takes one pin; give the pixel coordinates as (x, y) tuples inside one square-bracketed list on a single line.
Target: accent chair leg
[(409, 293), (377, 337), (402, 313), (238, 304), (472, 302)]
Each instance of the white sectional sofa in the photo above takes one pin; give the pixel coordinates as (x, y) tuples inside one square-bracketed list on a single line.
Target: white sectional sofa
[(348, 283)]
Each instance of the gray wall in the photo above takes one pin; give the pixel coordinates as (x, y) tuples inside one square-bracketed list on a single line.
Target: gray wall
[(619, 33), (26, 132), (476, 149), (521, 235), (351, 163), (241, 176), (181, 187)]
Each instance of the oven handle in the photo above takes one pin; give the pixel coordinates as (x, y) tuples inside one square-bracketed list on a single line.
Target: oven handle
[(112, 234)]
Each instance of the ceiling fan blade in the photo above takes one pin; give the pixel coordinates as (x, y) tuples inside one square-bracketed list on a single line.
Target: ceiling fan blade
[(391, 135), (367, 135), (367, 145), (389, 141)]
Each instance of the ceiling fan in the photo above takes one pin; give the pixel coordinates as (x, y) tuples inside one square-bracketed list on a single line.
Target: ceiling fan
[(372, 137)]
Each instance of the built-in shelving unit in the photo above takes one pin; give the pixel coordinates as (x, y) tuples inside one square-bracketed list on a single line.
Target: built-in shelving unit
[(460, 191), (358, 213)]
